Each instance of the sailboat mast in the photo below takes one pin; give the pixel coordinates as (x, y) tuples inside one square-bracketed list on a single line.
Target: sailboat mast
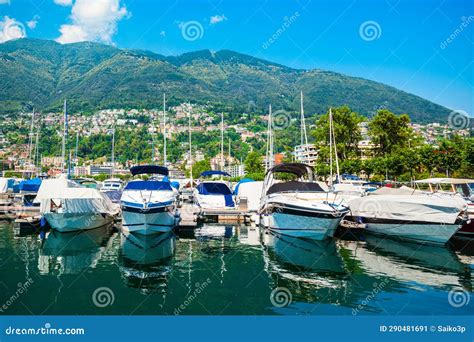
[(30, 138), (63, 163), (330, 147), (335, 149), (304, 135), (270, 134), (190, 148), (112, 171), (165, 157), (36, 162), (222, 141)]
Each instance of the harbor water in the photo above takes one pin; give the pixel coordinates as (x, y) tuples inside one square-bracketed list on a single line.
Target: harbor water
[(221, 269)]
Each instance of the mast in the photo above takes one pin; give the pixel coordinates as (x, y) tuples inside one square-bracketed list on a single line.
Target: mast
[(330, 146), (222, 141), (270, 139), (165, 161), (335, 149), (304, 135), (190, 148), (63, 163), (112, 170), (76, 149), (30, 138), (36, 162)]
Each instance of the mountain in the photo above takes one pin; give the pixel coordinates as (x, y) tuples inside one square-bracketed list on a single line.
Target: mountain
[(94, 76)]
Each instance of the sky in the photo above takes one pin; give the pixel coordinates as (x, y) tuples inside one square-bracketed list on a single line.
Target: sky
[(424, 47)]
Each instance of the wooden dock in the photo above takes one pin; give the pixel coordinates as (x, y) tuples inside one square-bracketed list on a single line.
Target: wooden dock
[(188, 216)]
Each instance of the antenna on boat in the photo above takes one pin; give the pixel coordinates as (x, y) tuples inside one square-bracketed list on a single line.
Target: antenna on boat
[(165, 161)]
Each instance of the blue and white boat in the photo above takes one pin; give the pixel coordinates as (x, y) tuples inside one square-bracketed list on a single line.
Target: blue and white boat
[(149, 206), (213, 194)]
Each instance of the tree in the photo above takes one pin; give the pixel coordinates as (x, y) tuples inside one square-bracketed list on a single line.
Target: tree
[(201, 166), (253, 163), (388, 131), (346, 131)]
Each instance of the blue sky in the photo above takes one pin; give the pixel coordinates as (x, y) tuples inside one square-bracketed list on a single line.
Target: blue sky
[(398, 42)]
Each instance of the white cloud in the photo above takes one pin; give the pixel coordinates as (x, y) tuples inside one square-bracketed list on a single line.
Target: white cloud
[(92, 20), (11, 29), (4, 2), (163, 33), (217, 19), (63, 2), (33, 22)]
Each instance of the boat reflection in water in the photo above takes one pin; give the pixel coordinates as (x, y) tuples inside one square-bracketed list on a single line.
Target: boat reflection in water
[(145, 260), (313, 271), (425, 265), (71, 253), (214, 232)]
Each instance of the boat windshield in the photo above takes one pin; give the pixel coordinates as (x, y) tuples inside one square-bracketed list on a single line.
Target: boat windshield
[(149, 185), (295, 186)]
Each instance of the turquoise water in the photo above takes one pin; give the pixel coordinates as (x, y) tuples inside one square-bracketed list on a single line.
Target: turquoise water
[(228, 270)]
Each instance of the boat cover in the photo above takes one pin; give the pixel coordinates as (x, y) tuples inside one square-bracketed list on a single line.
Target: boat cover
[(30, 185), (253, 192), (445, 181), (215, 188), (214, 173), (242, 181), (72, 198), (401, 191), (151, 169), (295, 186), (420, 208)]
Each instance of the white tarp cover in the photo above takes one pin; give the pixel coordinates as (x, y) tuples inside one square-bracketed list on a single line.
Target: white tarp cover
[(423, 207), (401, 191), (253, 192), (72, 198), (3, 185)]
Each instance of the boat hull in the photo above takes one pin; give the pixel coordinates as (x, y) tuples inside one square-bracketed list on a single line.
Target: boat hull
[(431, 233), (151, 222), (67, 222), (315, 228), (467, 230)]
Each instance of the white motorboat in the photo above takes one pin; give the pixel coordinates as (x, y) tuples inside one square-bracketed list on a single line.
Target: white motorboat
[(299, 207), (213, 194), (149, 206), (112, 184), (68, 206), (410, 214)]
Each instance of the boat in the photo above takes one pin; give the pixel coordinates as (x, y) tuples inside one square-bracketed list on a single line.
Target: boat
[(67, 206), (247, 196), (149, 206), (299, 207), (111, 184), (213, 194), (456, 187), (410, 214), (28, 189)]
